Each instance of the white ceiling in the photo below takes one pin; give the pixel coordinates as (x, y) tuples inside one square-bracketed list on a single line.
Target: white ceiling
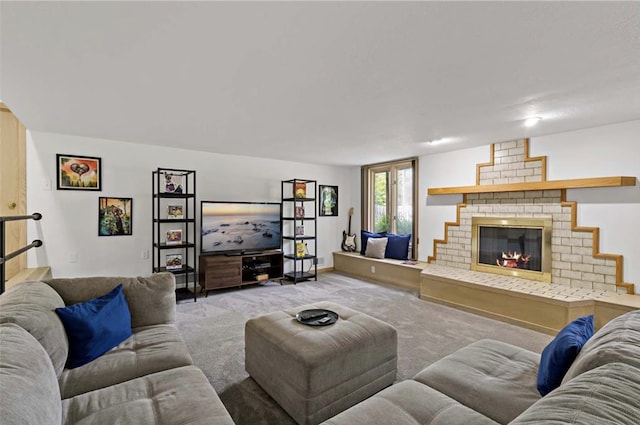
[(344, 83)]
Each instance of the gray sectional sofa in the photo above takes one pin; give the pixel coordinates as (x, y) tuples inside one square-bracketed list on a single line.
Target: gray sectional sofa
[(490, 382), (147, 379)]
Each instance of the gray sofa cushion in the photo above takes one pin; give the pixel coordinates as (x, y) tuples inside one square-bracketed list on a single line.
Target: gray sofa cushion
[(617, 341), (151, 299), (607, 395), (29, 392), (149, 350), (491, 377), (32, 306), (181, 396), (409, 403)]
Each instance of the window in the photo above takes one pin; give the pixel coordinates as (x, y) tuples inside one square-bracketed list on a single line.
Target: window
[(389, 198)]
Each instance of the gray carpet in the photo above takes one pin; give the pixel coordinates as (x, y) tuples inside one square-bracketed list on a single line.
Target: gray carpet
[(213, 329)]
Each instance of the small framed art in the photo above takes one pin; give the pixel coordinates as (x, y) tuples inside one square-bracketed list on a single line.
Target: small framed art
[(175, 212), (173, 261), (174, 237), (78, 172), (172, 183), (328, 201), (115, 216)]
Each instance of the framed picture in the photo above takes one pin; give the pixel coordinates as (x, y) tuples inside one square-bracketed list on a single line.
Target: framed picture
[(172, 183), (78, 172), (299, 211), (175, 212), (328, 201), (115, 216), (173, 261), (174, 237)]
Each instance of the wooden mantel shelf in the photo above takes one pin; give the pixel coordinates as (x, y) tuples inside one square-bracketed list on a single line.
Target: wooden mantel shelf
[(615, 181)]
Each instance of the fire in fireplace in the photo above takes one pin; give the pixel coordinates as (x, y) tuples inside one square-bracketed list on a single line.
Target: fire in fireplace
[(512, 245)]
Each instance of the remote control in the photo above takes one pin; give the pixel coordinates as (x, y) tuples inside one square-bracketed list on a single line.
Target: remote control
[(308, 316), (324, 319)]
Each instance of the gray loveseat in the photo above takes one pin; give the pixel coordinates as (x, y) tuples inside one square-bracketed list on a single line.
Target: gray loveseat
[(490, 382), (147, 379)]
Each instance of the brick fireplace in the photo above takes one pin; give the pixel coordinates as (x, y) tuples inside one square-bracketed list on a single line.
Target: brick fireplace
[(507, 188), (513, 246)]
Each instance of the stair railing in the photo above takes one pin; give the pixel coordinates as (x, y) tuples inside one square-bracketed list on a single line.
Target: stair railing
[(6, 257)]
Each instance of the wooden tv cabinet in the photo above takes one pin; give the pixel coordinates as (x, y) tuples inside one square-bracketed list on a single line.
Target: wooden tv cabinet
[(225, 271)]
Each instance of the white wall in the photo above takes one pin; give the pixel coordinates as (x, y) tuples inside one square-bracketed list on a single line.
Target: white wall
[(612, 150), (70, 223)]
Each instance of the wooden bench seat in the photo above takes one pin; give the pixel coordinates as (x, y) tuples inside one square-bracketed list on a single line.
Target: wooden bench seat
[(394, 272), (535, 305)]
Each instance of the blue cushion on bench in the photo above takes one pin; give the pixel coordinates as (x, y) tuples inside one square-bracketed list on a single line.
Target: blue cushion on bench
[(398, 246)]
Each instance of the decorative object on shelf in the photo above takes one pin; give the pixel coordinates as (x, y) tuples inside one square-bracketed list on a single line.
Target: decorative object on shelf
[(115, 216), (78, 172), (301, 249), (174, 236), (175, 211), (328, 201), (300, 190), (348, 239), (174, 227), (299, 230), (172, 183), (173, 261), (299, 212)]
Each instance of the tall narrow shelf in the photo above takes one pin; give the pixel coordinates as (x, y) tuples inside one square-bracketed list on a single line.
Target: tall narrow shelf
[(175, 194), (300, 228)]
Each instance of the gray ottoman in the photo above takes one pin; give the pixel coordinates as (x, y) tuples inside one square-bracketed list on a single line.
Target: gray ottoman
[(316, 372)]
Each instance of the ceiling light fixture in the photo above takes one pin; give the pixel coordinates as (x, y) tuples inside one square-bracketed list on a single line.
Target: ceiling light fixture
[(439, 141), (530, 122)]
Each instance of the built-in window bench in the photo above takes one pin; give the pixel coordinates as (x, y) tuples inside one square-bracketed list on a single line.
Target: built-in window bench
[(394, 272), (535, 305)]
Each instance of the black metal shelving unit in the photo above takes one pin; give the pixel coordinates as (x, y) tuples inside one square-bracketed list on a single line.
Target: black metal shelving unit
[(305, 267), (162, 199)]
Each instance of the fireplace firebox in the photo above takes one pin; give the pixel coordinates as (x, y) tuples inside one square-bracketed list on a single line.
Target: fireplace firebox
[(512, 246)]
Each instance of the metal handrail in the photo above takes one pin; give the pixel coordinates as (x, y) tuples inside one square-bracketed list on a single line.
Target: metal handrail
[(6, 257)]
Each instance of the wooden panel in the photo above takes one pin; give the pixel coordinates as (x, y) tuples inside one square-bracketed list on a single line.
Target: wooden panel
[(615, 181), (13, 183), (38, 273), (530, 311), (608, 308), (386, 270)]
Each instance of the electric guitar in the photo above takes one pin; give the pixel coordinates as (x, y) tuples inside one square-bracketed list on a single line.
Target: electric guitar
[(348, 239)]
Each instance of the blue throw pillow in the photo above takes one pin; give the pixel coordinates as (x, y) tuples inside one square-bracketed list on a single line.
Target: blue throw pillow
[(558, 356), (364, 237), (398, 246), (96, 326)]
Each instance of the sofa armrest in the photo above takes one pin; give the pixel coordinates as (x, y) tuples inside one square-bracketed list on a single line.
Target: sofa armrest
[(151, 299)]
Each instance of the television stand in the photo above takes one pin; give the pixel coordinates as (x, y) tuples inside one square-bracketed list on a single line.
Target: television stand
[(237, 269)]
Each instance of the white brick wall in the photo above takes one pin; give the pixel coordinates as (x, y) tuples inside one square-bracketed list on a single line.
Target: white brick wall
[(509, 165), (572, 261)]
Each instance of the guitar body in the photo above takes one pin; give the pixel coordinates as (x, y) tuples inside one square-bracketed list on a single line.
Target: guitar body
[(349, 239)]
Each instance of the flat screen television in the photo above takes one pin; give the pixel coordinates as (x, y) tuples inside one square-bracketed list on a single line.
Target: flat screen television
[(235, 228)]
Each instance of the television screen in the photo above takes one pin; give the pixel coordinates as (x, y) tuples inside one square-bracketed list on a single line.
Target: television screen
[(240, 226)]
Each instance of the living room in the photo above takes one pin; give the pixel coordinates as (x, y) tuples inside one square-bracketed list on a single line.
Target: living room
[(325, 127)]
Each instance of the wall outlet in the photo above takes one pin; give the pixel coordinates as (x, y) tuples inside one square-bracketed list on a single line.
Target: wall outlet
[(320, 260), (373, 269), (144, 254), (73, 257)]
